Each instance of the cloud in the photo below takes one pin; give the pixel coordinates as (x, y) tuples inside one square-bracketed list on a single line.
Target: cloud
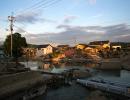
[(86, 29), (117, 32), (20, 30), (123, 38), (69, 18), (32, 18), (83, 34)]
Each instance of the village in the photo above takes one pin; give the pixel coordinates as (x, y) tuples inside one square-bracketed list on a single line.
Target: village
[(61, 51), (105, 55), (64, 50), (93, 51)]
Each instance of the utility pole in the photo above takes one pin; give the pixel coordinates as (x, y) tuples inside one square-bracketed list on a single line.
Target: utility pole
[(11, 20)]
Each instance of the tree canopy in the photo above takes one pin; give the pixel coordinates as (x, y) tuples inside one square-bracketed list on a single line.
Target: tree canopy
[(18, 43)]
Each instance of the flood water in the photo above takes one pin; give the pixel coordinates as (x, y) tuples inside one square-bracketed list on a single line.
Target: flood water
[(112, 75), (76, 91)]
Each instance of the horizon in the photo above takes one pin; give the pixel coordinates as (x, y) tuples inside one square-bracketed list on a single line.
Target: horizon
[(67, 21), (55, 45)]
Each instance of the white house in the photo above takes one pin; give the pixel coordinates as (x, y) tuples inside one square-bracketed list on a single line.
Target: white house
[(115, 45), (44, 50)]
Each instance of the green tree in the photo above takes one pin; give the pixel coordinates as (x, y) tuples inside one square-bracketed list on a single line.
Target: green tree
[(18, 42)]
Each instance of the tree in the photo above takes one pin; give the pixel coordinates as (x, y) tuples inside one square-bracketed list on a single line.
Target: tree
[(18, 43)]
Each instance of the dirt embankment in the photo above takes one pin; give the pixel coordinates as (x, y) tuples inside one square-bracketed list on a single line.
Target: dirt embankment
[(11, 67)]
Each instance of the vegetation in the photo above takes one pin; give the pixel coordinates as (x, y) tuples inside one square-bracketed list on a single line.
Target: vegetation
[(18, 42)]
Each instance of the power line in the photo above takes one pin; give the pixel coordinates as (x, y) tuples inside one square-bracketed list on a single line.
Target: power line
[(48, 4), (28, 8), (20, 28), (39, 5)]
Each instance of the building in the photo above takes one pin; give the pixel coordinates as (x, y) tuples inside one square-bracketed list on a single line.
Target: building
[(100, 44), (70, 52), (62, 48), (42, 50), (91, 49), (30, 51), (115, 45), (81, 46)]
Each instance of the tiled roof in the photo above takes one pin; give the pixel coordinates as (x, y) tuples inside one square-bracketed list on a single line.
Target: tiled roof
[(115, 43), (99, 42), (43, 46), (63, 46), (83, 44)]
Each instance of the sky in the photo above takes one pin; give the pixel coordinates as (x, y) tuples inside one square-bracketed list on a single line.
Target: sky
[(67, 21)]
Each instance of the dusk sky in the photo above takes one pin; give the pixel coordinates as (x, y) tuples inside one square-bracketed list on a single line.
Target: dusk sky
[(67, 21)]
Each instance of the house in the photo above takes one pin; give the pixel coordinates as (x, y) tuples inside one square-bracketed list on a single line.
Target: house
[(70, 52), (100, 44), (81, 46), (115, 45), (62, 48), (44, 50), (91, 49), (30, 51)]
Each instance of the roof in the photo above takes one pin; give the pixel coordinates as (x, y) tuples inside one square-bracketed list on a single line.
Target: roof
[(115, 44), (43, 46), (99, 42), (82, 44), (91, 46), (88, 48), (63, 46)]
